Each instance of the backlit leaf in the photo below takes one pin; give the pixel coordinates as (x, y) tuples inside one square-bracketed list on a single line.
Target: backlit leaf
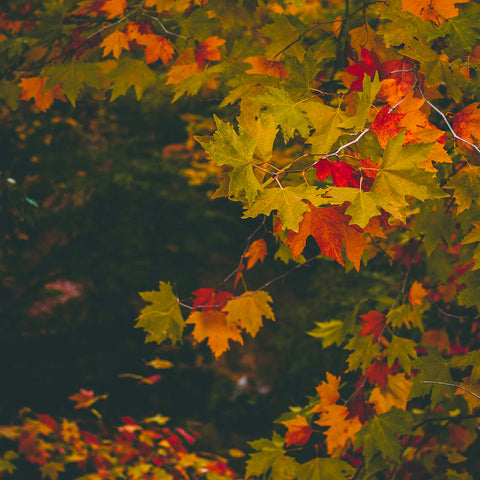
[(115, 43), (162, 319), (256, 252), (248, 309)]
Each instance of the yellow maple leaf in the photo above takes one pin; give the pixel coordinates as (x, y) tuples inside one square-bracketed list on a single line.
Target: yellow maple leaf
[(34, 87), (435, 11), (394, 395), (115, 43), (257, 251), (248, 309), (340, 428), (214, 326), (114, 8)]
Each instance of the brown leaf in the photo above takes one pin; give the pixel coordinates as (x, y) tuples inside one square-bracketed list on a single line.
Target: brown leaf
[(262, 66)]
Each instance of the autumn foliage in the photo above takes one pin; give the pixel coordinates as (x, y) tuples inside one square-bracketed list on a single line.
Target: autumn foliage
[(350, 131)]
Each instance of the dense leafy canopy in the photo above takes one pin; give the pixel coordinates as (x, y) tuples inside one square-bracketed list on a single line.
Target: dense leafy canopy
[(353, 123)]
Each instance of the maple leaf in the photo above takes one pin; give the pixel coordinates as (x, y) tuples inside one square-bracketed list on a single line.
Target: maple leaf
[(341, 172), (328, 392), (183, 67), (368, 66), (385, 125), (287, 201), (51, 470), (380, 435), (114, 8), (262, 66), (162, 319), (394, 393), (330, 228), (377, 373), (466, 185), (213, 325), (299, 431), (85, 398), (257, 251), (466, 123), (435, 11), (416, 294), (115, 43), (248, 309), (402, 349), (399, 77), (436, 338), (373, 324), (325, 468), (208, 50), (35, 87), (208, 299), (341, 427), (156, 47)]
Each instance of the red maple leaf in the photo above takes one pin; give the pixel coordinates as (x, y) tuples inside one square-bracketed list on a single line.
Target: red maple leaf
[(368, 66), (341, 172), (377, 373), (208, 299), (385, 125), (372, 324)]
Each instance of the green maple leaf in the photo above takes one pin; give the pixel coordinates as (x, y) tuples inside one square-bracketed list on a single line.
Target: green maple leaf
[(288, 202), (363, 205), (364, 102), (471, 359), (432, 223), (73, 76), (470, 295), (286, 112), (130, 73), (270, 457), (191, 85), (162, 319), (432, 367), (402, 349), (462, 31), (226, 147), (364, 351), (379, 435), (400, 176), (10, 92), (284, 31), (325, 469), (326, 121), (466, 185), (330, 332)]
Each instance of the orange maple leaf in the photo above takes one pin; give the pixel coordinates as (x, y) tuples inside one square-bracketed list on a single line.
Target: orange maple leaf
[(185, 66), (156, 47), (262, 66), (328, 393), (115, 43), (114, 8), (257, 251), (416, 294), (214, 326), (467, 123), (436, 338), (436, 11), (85, 398), (340, 428), (385, 125), (34, 87), (208, 50), (299, 431), (330, 229)]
